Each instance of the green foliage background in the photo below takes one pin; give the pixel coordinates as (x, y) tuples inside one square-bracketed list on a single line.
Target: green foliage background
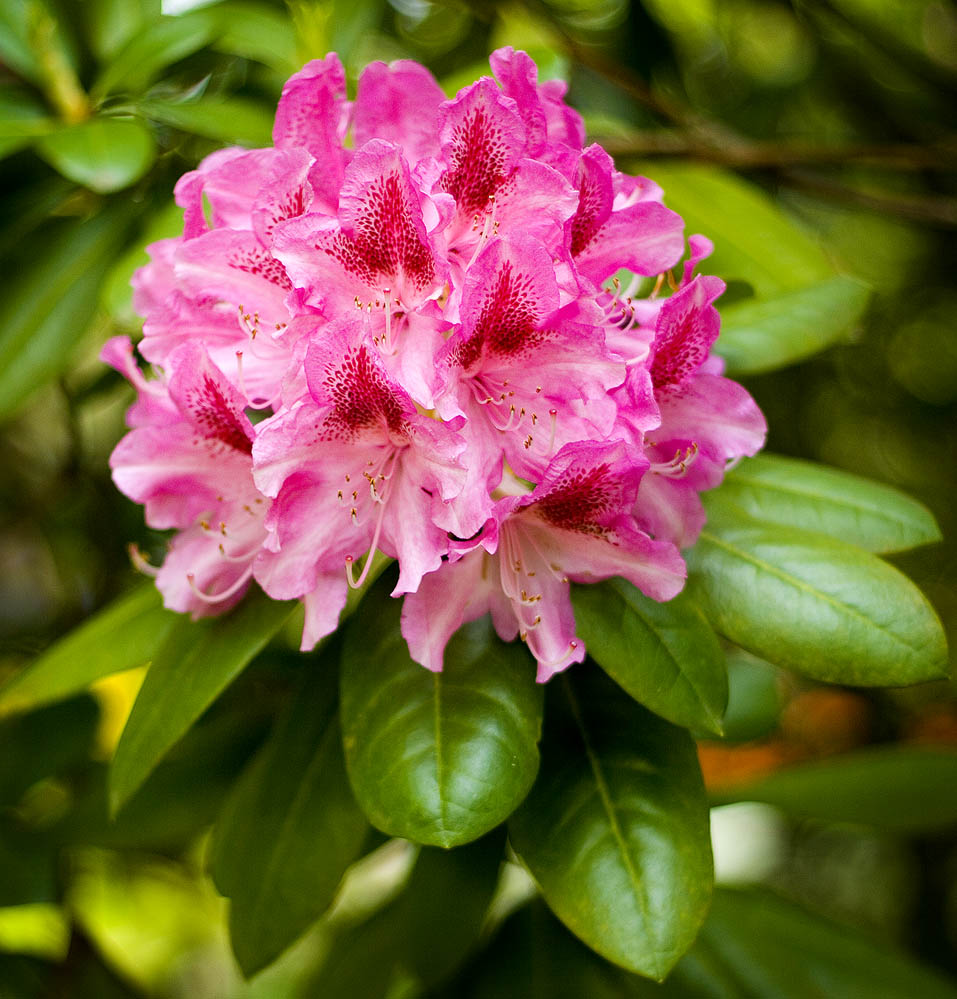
[(814, 142)]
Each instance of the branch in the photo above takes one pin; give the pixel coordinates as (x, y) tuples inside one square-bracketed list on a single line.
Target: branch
[(744, 153)]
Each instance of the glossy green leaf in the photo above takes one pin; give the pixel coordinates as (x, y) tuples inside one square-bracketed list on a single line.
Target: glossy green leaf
[(15, 48), (615, 830), (121, 636), (103, 154), (446, 903), (51, 301), (149, 52), (179, 799), (664, 654), (110, 24), (814, 497), (43, 743), (754, 240), (532, 954), (754, 944), (226, 119), (290, 828), (260, 32), (816, 605), (774, 332), (438, 758), (427, 931), (189, 671), (755, 697), (22, 119), (900, 788)]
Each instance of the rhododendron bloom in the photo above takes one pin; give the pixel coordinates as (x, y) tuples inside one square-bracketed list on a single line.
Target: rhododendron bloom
[(402, 329)]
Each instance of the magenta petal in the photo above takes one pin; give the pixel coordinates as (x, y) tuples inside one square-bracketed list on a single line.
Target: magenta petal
[(645, 238), (483, 138), (717, 413), (313, 114), (687, 326), (398, 103)]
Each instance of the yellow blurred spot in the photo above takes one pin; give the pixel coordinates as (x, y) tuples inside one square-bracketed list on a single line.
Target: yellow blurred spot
[(115, 695), (41, 930)]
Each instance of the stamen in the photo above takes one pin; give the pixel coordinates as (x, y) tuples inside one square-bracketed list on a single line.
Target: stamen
[(245, 557), (489, 229), (678, 466), (217, 598), (356, 583), (553, 413), (140, 562)]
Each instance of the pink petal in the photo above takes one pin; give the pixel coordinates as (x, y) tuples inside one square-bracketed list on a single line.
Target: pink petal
[(399, 103)]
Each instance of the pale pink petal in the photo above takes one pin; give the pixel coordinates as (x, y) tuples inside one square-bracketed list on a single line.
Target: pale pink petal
[(323, 606), (445, 599)]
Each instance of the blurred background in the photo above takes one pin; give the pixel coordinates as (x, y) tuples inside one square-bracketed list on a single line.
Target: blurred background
[(839, 114)]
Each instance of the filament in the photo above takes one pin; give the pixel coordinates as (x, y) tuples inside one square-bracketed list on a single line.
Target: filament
[(217, 598)]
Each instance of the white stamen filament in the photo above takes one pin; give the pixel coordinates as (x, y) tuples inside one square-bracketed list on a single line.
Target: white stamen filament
[(678, 466), (217, 598), (489, 229), (140, 561), (356, 583)]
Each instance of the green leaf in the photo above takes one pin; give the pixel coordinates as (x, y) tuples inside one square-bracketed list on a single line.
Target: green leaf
[(43, 743), (755, 697), (754, 240), (103, 154), (532, 954), (445, 905), (754, 944), (901, 789), (801, 494), (615, 830), (179, 799), (438, 758), (123, 635), (112, 23), (149, 52), (428, 930), (290, 828), (664, 654), (816, 605), (774, 332), (189, 671), (22, 119), (257, 31), (51, 301), (226, 119)]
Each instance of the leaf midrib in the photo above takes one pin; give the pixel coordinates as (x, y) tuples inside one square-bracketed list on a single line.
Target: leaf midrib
[(609, 806), (800, 584)]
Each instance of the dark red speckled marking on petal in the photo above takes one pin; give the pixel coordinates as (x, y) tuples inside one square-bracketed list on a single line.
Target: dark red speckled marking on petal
[(362, 398), (261, 263), (580, 499), (508, 323), (214, 417), (290, 206), (386, 242), (478, 158), (591, 215), (681, 351)]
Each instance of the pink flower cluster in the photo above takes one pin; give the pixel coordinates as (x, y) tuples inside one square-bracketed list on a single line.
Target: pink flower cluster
[(402, 328)]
